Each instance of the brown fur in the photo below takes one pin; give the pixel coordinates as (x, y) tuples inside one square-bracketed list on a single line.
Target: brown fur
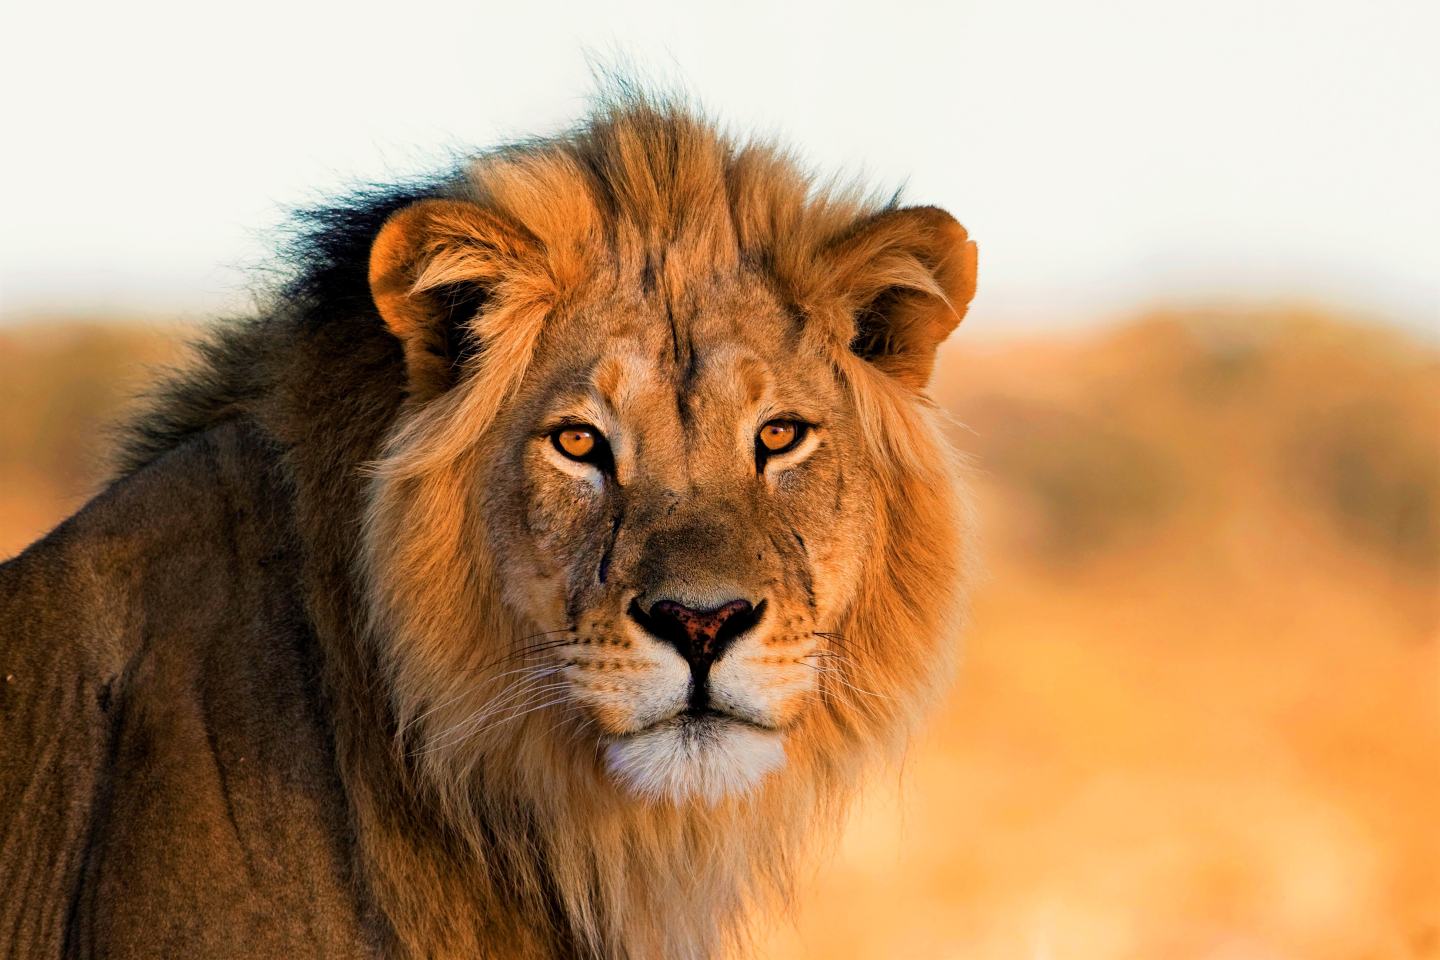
[(645, 269)]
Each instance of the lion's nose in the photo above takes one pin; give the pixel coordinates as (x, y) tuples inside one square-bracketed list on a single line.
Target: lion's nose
[(701, 636)]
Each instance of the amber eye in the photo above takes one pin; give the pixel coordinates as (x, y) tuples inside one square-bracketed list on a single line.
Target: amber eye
[(777, 436), (578, 442)]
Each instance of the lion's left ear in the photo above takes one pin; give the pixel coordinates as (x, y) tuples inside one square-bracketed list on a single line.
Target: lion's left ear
[(433, 267), (906, 276)]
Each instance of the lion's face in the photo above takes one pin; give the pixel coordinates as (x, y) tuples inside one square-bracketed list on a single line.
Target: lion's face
[(678, 500), (666, 508)]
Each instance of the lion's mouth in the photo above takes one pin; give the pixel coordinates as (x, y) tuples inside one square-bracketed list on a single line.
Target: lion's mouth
[(703, 753), (700, 721)]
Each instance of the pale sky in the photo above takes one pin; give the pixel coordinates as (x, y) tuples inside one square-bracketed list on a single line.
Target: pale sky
[(1107, 156)]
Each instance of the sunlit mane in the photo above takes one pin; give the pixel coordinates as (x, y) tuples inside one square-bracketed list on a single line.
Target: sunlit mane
[(500, 751)]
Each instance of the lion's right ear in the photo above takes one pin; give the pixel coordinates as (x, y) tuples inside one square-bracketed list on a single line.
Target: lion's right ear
[(906, 276), (433, 266)]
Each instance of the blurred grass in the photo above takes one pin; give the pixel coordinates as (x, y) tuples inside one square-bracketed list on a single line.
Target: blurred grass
[(63, 386), (1200, 713)]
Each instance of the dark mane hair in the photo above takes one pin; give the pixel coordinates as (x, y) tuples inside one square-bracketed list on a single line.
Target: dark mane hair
[(327, 246), (321, 285)]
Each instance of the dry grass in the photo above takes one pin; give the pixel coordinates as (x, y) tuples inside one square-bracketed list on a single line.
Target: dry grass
[(1200, 715)]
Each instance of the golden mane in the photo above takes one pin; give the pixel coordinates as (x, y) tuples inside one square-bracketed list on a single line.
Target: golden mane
[(640, 182)]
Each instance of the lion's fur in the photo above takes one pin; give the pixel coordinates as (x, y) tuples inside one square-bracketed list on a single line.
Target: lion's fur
[(511, 842)]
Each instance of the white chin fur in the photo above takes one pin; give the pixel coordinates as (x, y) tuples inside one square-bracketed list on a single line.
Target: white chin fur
[(684, 759)]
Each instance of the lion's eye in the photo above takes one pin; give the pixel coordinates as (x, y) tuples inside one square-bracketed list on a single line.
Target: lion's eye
[(778, 436), (579, 442)]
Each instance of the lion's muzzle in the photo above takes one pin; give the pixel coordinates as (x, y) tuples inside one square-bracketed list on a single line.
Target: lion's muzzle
[(700, 636)]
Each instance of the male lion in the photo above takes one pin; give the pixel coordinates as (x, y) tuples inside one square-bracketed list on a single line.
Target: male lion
[(529, 580)]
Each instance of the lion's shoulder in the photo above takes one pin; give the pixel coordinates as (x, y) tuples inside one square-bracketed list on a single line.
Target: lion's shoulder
[(164, 755)]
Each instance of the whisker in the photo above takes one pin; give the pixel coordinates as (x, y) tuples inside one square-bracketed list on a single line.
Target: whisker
[(523, 648), (535, 673), (831, 672), (516, 716), (838, 639), (546, 633), (491, 707), (525, 651)]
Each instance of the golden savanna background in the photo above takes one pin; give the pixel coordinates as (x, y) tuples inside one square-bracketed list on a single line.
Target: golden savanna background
[(1200, 711), (1199, 390)]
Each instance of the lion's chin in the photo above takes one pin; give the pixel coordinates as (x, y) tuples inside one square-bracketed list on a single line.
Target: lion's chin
[(690, 758)]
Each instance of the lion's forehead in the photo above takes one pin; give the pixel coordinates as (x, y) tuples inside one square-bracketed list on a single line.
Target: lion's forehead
[(718, 362), (631, 376)]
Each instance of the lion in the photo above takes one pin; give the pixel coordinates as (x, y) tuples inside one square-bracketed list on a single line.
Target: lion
[(536, 575)]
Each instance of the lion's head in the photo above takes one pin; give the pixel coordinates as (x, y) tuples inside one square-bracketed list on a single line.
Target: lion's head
[(666, 536)]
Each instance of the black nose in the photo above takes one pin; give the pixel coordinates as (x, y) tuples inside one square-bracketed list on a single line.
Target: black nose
[(701, 636)]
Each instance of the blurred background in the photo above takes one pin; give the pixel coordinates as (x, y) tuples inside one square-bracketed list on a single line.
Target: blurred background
[(1200, 389)]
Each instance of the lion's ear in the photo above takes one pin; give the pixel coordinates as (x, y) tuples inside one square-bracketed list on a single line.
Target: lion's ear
[(906, 276), (433, 265)]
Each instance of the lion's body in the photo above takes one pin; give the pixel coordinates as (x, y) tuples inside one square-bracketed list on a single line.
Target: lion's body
[(166, 756), (246, 688)]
